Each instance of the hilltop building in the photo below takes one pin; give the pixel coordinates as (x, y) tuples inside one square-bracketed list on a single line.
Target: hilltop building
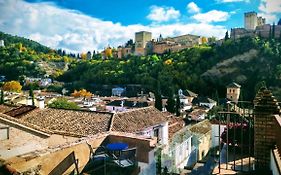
[(256, 26), (141, 40), (124, 51), (251, 20)]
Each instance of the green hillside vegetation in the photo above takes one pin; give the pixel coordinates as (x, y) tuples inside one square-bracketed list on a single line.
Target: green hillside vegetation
[(25, 58), (11, 40), (251, 62), (206, 70)]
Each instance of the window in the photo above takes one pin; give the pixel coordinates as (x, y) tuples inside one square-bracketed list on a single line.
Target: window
[(157, 133)]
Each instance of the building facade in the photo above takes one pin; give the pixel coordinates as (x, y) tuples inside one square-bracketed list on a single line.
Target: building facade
[(141, 40), (251, 20), (233, 92)]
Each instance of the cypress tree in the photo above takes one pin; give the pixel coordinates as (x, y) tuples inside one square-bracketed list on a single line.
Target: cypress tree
[(2, 97), (178, 106), (226, 36), (158, 101), (171, 105), (273, 31), (31, 94)]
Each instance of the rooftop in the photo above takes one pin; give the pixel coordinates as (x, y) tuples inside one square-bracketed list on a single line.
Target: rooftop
[(201, 127), (137, 119), (78, 122), (233, 85), (84, 123), (126, 103)]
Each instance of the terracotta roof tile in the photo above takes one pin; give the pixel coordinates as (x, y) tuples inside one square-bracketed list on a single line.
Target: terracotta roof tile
[(5, 108), (202, 127), (78, 122), (175, 125), (137, 119), (18, 112)]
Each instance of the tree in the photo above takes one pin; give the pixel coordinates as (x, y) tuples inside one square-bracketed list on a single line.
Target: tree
[(12, 86), (108, 52), (158, 101), (178, 103), (63, 103), (81, 93), (31, 94), (226, 36), (2, 97), (273, 31), (83, 56), (171, 105)]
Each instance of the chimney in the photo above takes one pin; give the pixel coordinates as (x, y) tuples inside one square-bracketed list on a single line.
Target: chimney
[(41, 103), (29, 101)]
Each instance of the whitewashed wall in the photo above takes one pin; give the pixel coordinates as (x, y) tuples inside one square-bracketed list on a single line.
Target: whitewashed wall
[(215, 134)]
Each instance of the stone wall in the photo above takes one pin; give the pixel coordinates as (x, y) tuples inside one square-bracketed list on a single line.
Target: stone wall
[(45, 161), (21, 142), (264, 132)]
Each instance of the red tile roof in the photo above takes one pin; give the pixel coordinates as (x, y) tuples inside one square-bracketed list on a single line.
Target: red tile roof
[(175, 125), (138, 119)]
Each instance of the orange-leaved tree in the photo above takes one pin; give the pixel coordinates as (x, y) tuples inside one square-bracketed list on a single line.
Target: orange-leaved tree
[(12, 86), (81, 93)]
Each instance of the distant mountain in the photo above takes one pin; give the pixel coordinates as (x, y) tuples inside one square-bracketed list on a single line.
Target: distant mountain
[(10, 39)]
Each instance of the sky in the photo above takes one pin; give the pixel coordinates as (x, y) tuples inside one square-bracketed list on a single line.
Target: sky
[(87, 25)]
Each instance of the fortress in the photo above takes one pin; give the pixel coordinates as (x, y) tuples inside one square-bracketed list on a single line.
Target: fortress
[(256, 26)]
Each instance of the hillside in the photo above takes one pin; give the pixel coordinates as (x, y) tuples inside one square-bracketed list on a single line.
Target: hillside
[(10, 40), (26, 58), (250, 62)]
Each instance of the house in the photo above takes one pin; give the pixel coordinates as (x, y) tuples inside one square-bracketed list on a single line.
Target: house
[(198, 114), (123, 105), (38, 135), (176, 155), (118, 91), (186, 98), (201, 138), (43, 82), (204, 101)]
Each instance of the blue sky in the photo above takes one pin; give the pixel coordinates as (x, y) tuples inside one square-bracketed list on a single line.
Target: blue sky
[(82, 25)]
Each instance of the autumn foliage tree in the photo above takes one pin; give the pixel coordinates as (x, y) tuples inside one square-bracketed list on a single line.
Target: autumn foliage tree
[(12, 86), (83, 56), (82, 93)]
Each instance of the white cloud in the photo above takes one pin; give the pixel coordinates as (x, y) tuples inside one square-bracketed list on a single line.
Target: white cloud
[(163, 14), (192, 8), (269, 9), (270, 6), (73, 31), (229, 1), (211, 16), (270, 18)]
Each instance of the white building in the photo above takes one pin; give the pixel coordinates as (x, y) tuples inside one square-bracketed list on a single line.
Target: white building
[(118, 91)]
